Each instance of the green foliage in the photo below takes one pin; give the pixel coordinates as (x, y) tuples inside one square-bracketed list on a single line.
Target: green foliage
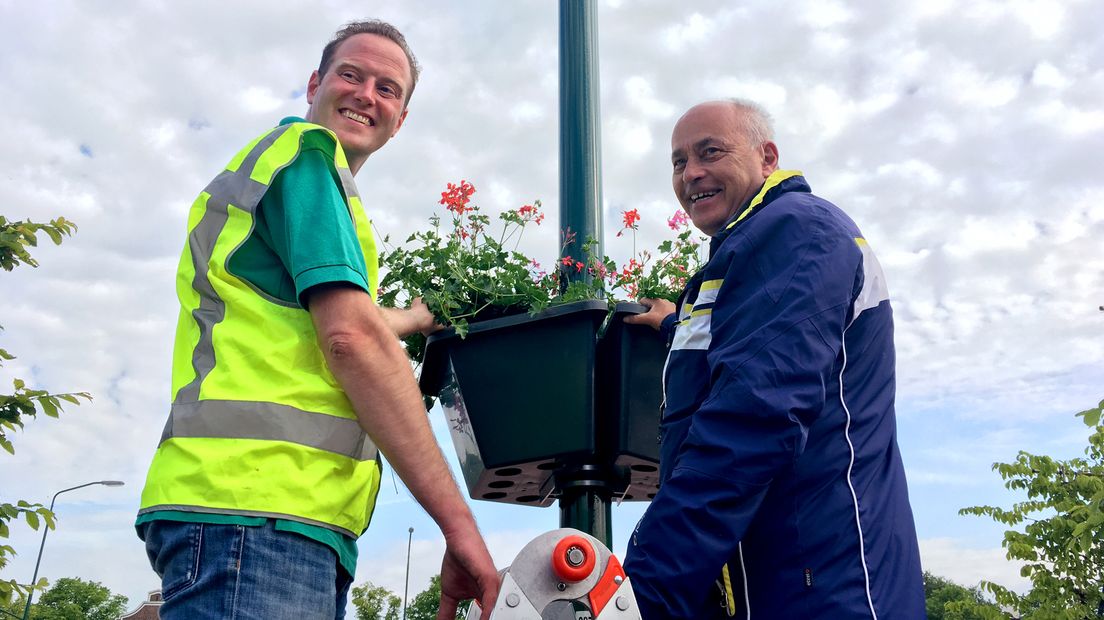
[(946, 600), (1057, 531), (12, 608), (467, 274), (1091, 417), (76, 599), (16, 237), (376, 603), (427, 603), (15, 240), (464, 273), (661, 276)]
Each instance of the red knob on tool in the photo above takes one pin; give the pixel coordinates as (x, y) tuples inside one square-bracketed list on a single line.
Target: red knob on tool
[(573, 559)]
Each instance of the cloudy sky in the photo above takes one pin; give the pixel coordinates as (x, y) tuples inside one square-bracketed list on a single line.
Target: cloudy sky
[(960, 136)]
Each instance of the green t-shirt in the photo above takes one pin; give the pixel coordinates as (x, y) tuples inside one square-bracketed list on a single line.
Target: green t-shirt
[(303, 236)]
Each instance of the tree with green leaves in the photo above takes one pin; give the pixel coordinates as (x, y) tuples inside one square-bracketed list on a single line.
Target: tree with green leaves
[(946, 600), (12, 609), (76, 599), (374, 602), (427, 602), (16, 240), (1058, 532)]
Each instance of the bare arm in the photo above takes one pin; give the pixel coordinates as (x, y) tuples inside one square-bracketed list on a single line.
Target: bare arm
[(363, 354)]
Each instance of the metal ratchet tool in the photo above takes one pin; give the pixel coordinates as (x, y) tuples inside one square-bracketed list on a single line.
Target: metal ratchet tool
[(564, 574)]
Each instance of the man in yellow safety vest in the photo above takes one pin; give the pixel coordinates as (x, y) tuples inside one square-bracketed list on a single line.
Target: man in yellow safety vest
[(286, 374)]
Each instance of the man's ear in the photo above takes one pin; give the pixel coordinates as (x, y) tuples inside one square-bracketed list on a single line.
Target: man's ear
[(770, 158), (312, 86), (402, 118)]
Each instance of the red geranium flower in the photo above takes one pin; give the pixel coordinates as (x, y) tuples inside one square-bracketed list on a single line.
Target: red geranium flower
[(630, 218), (456, 197)]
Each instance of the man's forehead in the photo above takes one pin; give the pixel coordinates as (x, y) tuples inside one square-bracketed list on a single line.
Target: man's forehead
[(678, 147), (704, 124), (374, 44)]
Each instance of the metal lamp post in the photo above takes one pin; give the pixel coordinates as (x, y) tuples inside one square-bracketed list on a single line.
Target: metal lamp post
[(585, 503), (45, 529), (580, 132), (406, 588)]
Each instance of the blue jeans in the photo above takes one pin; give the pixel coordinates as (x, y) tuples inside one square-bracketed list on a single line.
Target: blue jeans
[(244, 573)]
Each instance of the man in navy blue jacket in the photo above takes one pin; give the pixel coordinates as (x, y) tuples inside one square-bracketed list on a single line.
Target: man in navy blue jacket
[(783, 494)]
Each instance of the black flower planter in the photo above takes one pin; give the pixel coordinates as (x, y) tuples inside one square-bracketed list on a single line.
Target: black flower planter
[(630, 395), (529, 397)]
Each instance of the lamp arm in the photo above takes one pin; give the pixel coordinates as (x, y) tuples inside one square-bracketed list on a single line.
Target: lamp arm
[(42, 545)]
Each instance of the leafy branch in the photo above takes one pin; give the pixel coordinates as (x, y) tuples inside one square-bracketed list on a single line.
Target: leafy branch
[(16, 240), (1062, 528), (16, 237)]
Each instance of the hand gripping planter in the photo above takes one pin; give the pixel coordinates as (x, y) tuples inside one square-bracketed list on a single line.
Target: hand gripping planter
[(528, 396)]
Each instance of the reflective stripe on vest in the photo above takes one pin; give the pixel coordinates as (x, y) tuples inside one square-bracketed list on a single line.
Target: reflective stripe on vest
[(258, 425), (233, 419)]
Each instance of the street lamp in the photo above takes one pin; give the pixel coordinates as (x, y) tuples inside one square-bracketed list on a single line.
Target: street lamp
[(45, 528), (406, 589)]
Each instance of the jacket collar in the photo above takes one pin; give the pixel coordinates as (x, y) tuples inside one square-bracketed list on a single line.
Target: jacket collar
[(778, 183)]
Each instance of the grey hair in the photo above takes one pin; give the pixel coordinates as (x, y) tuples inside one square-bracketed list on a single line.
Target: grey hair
[(756, 121)]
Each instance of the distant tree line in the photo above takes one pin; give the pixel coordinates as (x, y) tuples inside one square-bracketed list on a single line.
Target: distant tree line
[(374, 602), (71, 599)]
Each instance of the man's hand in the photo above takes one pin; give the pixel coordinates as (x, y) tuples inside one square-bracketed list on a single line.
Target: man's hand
[(467, 572), (658, 309), (408, 321)]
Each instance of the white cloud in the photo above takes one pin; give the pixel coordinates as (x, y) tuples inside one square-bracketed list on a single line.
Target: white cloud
[(1071, 120), (1004, 233), (640, 91), (628, 138), (825, 14), (768, 93), (1043, 17), (260, 100), (527, 112), (970, 86), (968, 566), (1046, 74), (693, 30), (914, 170)]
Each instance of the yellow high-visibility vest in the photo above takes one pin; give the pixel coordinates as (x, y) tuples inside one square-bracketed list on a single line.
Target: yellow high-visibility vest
[(259, 425)]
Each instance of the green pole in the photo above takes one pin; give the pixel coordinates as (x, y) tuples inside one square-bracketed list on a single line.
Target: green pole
[(585, 501), (584, 490), (580, 133)]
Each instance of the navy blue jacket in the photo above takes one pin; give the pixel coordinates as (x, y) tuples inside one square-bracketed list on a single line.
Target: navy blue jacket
[(779, 460)]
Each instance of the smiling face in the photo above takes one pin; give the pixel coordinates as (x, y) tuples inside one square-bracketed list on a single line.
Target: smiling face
[(361, 97), (717, 167)]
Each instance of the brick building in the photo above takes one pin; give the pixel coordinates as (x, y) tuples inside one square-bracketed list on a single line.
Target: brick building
[(148, 610)]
